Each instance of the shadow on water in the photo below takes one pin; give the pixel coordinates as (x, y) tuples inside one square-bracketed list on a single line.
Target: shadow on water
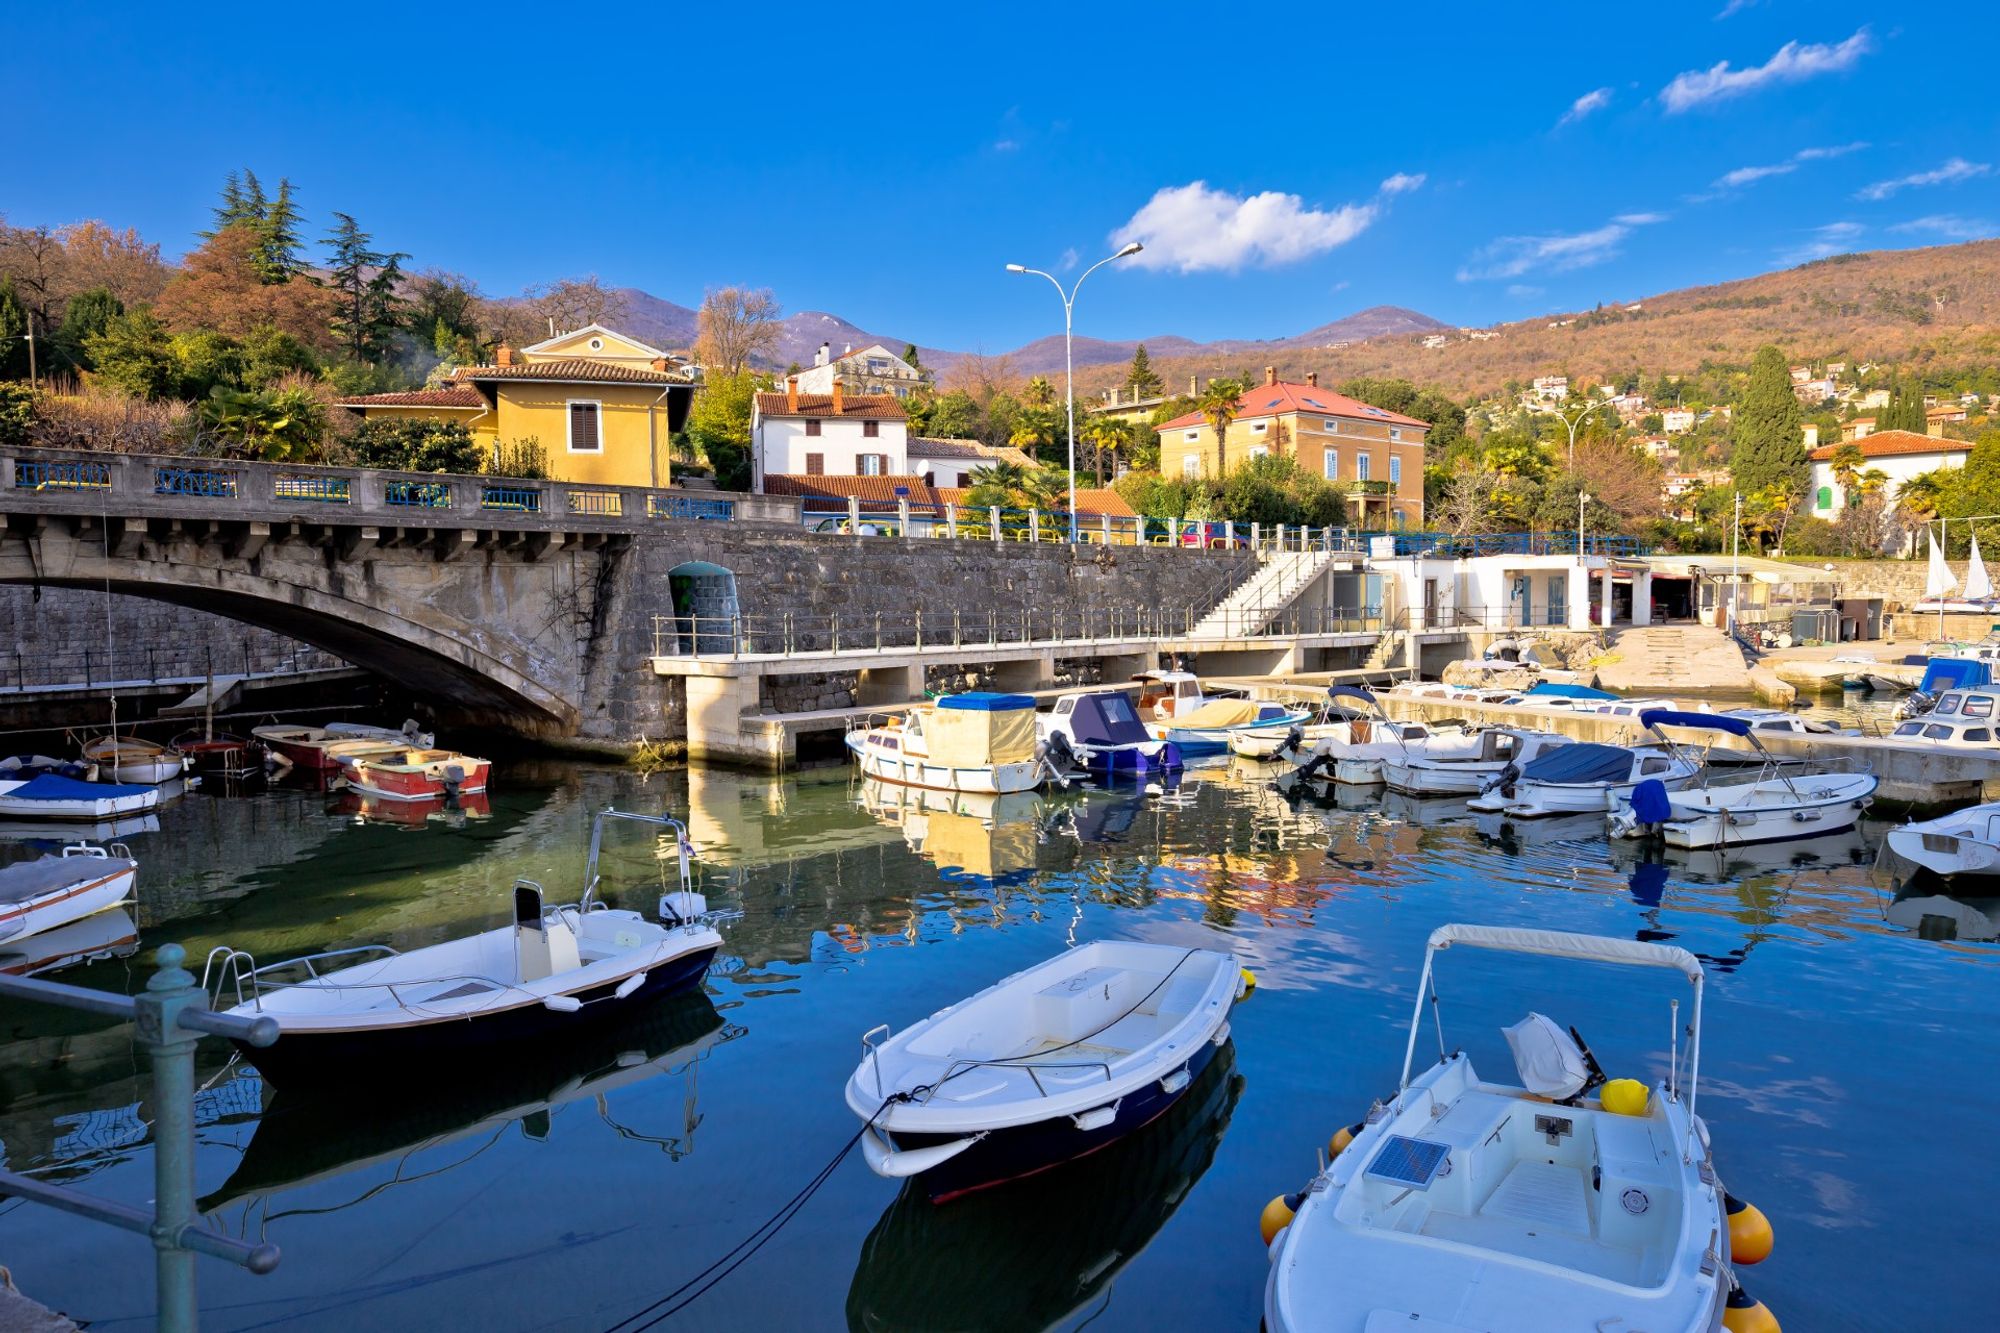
[(1028, 1254)]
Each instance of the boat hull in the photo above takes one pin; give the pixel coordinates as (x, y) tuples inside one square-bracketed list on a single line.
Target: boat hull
[(1026, 1150), (1131, 761), (1948, 854), (79, 810), (397, 783), (302, 1057), (90, 895), (1440, 780), (911, 770), (1536, 800), (1693, 827), (1203, 741)]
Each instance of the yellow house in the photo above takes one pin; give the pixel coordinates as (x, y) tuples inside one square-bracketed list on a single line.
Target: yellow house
[(1377, 455), (602, 405)]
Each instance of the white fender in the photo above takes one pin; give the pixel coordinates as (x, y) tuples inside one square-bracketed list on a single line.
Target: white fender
[(885, 1160), (1097, 1117), (629, 985), (562, 1004), (1221, 1034), (1175, 1081)]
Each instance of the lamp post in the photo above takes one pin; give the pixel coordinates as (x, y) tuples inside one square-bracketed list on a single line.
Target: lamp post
[(1735, 561), (1069, 366), (1572, 425), (1582, 499)]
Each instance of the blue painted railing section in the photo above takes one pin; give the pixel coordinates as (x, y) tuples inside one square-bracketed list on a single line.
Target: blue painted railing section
[(61, 475), (315, 490), (513, 499), (195, 481), (417, 494), (687, 507)]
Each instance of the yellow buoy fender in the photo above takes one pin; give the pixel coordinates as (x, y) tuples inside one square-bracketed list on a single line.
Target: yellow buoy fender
[(1337, 1145), (1750, 1235), (1623, 1096), (1247, 983), (1277, 1216), (1743, 1314)]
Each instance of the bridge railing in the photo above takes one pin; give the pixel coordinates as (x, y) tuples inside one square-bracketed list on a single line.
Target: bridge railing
[(798, 633), (152, 664), (227, 488)]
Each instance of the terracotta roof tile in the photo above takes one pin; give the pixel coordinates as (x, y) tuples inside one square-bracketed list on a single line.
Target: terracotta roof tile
[(1089, 501), (572, 372), (860, 406), (1888, 443), (880, 491), (455, 396), (1284, 397)]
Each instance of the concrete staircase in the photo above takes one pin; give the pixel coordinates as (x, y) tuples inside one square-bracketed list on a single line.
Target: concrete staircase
[(1264, 596), (1383, 655), (1672, 659)]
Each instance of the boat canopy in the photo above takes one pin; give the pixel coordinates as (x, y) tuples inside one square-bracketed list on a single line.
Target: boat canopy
[(53, 787), (1549, 689), (1955, 673), (1106, 719), (1581, 762), (1218, 713), (1565, 944), (978, 729), (1349, 692), (1673, 717)]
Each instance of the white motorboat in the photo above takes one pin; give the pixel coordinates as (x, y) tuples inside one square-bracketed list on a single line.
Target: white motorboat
[(50, 797), (52, 891), (1166, 694), (977, 742), (1775, 803), (1960, 719), (1767, 722), (1582, 778), (1209, 729), (1464, 1204), (1101, 731), (128, 759), (1447, 770), (1050, 1064), (552, 973), (1962, 844), (1352, 752)]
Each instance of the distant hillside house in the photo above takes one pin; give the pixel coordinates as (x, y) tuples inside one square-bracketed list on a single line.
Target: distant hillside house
[(1377, 455), (952, 462), (836, 433), (1937, 418), (1552, 388), (1677, 420), (1858, 429), (602, 404), (873, 369), (1901, 454)]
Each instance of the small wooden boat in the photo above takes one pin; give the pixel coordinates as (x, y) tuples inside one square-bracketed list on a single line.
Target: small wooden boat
[(106, 934), (1045, 1066), (1581, 778), (1448, 770), (1563, 1201), (976, 742), (1777, 803), (1101, 732), (1964, 844), (130, 759), (52, 891), (65, 799), (320, 749), (553, 973), (220, 753), (415, 775)]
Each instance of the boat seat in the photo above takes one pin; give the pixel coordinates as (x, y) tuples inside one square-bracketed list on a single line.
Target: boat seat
[(1542, 1195)]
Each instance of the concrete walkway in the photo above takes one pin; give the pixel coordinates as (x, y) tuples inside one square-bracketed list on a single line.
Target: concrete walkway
[(1678, 659)]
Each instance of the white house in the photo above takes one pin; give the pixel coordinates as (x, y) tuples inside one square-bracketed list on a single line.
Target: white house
[(1553, 388), (1677, 420), (946, 462), (827, 434), (872, 369), (1900, 454)]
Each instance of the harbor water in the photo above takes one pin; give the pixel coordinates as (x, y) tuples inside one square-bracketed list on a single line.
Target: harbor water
[(1846, 1066)]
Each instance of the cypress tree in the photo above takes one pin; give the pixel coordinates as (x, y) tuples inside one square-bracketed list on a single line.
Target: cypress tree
[(1904, 412), (280, 227), (1769, 451), (1142, 381)]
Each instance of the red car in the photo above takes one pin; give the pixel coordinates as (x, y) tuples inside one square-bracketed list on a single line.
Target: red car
[(1206, 535)]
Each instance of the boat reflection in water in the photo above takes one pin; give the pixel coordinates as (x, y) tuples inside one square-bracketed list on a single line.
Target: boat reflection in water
[(59, 834), (1937, 916), (303, 1139), (1033, 1252), (365, 809), (980, 839), (1727, 865), (98, 936)]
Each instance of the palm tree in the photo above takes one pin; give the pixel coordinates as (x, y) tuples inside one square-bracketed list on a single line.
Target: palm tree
[(996, 484), (1046, 488), (1217, 403), (1920, 496), (1107, 434)]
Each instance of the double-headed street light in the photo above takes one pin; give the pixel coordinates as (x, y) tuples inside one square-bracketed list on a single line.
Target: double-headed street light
[(1069, 363)]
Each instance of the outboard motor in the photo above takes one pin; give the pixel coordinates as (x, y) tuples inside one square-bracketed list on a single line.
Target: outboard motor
[(1294, 738), (1058, 754), (454, 778), (1504, 780)]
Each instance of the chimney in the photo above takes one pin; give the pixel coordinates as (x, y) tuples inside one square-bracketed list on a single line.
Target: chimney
[(660, 364), (1270, 374), (839, 403), (504, 356), (823, 355), (791, 393), (1194, 386), (1312, 378)]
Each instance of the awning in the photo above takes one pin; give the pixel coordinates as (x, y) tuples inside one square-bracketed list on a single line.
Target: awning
[(1564, 944)]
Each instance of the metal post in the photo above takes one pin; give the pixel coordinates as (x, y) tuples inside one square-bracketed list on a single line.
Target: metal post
[(903, 515), (170, 1047), (1035, 526), (1104, 521), (951, 521), (88, 677), (853, 516)]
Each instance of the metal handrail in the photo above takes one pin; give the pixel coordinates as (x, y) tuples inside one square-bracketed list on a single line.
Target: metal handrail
[(960, 1065)]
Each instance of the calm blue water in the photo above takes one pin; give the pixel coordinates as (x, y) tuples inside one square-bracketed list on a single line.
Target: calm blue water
[(1846, 1071)]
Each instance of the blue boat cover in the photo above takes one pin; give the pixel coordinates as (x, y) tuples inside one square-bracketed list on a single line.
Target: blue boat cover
[(1107, 719), (1549, 689), (1580, 763), (50, 787), (1650, 802), (1673, 717), (1955, 673), (1352, 691), (979, 701)]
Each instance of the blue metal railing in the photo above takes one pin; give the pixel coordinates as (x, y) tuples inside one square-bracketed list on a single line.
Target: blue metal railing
[(319, 490), (681, 506), (39, 475), (604, 504), (519, 499), (417, 494), (194, 481), (1446, 545)]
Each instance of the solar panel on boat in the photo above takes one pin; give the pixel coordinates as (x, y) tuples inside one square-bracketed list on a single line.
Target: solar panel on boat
[(1412, 1162)]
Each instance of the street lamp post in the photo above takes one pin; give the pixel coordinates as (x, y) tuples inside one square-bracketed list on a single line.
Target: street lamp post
[(1582, 499), (1735, 562), (1069, 360), (1572, 425)]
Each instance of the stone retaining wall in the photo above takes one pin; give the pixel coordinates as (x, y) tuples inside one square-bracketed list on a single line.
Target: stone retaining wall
[(51, 632)]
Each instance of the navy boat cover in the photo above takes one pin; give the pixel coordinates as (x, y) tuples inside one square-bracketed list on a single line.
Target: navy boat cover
[(1673, 717), (1549, 689), (1106, 719), (979, 701), (50, 787), (1580, 763)]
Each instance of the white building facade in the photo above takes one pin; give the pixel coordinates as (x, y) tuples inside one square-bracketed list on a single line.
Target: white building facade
[(1898, 454), (830, 434), (871, 369)]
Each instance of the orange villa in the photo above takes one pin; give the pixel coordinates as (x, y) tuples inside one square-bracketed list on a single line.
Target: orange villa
[(1376, 455)]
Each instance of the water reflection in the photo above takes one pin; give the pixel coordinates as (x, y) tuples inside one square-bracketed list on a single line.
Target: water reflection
[(1030, 1255), (111, 934), (1936, 916)]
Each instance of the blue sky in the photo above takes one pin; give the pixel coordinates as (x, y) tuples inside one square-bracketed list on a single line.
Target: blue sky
[(1481, 164)]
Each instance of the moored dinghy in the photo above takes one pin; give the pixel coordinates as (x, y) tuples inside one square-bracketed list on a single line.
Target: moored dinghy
[(1963, 844), (129, 759), (53, 891), (50, 797), (1465, 1204), (1043, 1067), (1207, 730)]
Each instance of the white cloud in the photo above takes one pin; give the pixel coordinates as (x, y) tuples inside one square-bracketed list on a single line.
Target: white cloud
[(1511, 256), (1837, 150), (1953, 171), (1747, 175), (1521, 291), (1594, 100), (1193, 229), (1792, 64), (1070, 259), (1950, 226), (1832, 239), (1733, 8), (1005, 145)]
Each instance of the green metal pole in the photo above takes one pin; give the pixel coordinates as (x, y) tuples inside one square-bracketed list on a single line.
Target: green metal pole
[(170, 1048)]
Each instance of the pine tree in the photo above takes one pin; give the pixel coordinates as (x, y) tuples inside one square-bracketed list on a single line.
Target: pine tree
[(280, 226), (233, 209), (1142, 381), (1904, 412), (13, 332), (255, 206), (1769, 452), (368, 282)]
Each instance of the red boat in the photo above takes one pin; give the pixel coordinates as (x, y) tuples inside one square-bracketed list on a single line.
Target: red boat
[(221, 753), (316, 748), (415, 775)]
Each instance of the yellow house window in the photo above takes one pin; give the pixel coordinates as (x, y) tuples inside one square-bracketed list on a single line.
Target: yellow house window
[(585, 433)]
